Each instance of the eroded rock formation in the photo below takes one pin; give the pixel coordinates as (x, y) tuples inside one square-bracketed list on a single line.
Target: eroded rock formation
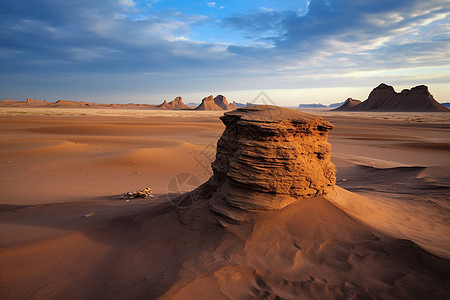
[(267, 158), (176, 103), (34, 101), (222, 102), (208, 104), (384, 98), (348, 104)]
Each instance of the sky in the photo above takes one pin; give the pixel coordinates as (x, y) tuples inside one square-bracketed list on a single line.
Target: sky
[(304, 51)]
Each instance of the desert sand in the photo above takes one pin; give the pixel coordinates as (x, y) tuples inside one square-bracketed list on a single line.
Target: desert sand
[(382, 232)]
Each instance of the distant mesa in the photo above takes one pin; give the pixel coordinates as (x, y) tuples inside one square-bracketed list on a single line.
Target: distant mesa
[(208, 104), (319, 105), (384, 98), (34, 101), (176, 103), (30, 102), (69, 103), (216, 104), (222, 102), (239, 104), (334, 105), (314, 105), (9, 101), (348, 105)]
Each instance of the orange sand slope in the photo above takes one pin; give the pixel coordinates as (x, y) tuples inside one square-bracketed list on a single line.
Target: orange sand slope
[(60, 167)]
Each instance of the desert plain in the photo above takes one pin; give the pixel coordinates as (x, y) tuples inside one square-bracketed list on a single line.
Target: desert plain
[(65, 232)]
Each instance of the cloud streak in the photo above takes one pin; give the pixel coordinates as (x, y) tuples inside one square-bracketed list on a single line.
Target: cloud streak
[(331, 43)]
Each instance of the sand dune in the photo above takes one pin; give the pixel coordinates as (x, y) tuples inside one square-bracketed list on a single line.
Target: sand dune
[(323, 254), (58, 168), (131, 153)]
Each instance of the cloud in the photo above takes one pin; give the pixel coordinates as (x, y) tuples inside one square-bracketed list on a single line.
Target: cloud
[(123, 44), (214, 5), (358, 29), (103, 39), (266, 9), (128, 3)]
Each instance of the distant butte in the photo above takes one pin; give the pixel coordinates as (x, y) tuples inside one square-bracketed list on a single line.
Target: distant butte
[(223, 103), (176, 103), (348, 104), (33, 101), (208, 103), (384, 98)]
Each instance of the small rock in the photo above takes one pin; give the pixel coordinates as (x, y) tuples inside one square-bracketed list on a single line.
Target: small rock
[(349, 284), (143, 193)]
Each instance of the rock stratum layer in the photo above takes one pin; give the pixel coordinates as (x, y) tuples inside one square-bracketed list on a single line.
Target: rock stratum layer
[(267, 158)]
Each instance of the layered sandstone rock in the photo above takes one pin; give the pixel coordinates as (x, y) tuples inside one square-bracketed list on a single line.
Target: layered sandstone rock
[(267, 158)]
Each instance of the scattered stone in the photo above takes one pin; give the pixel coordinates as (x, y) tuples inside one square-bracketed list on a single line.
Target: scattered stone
[(142, 193), (349, 284)]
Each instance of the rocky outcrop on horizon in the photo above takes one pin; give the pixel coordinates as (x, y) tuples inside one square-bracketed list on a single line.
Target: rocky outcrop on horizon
[(312, 105), (384, 98), (34, 101), (70, 103), (30, 102), (222, 102), (208, 103), (176, 103), (348, 104), (267, 158)]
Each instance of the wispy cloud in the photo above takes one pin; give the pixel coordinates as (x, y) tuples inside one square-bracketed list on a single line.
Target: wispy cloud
[(331, 42), (128, 3)]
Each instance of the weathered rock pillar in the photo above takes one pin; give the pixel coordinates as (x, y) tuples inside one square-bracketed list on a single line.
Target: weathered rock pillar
[(267, 158)]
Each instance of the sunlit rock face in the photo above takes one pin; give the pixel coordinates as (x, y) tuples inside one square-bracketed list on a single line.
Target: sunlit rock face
[(384, 98), (221, 101), (267, 158)]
